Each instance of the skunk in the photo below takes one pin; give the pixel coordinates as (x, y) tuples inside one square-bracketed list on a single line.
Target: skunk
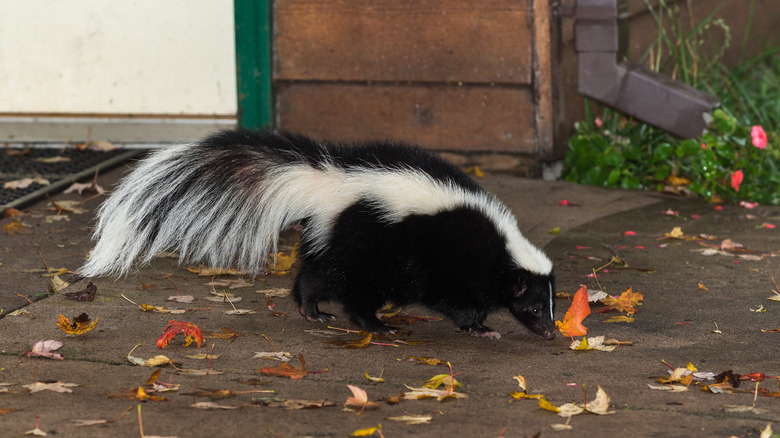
[(381, 222)]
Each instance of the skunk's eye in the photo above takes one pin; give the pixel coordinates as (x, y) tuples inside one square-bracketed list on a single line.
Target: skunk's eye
[(536, 311)]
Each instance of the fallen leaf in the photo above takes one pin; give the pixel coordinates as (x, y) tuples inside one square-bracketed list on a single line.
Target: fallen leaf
[(16, 227), (596, 295), (204, 271), (84, 423), (52, 160), (626, 302), (274, 293), (442, 379), (570, 410), (227, 334), (544, 404), (87, 294), (46, 349), (368, 431), (619, 318), (359, 399), (286, 370), (202, 356), (80, 325), (671, 388), (230, 284), (61, 387), (292, 404), (68, 207), (81, 187), (24, 183), (186, 299), (599, 405), (271, 306), (240, 312), (281, 356), (211, 406), (376, 379), (412, 419), (281, 263), (559, 427), (190, 331), (353, 344), (425, 360), (35, 432), (438, 394), (58, 284), (520, 382), (592, 343), (578, 311)]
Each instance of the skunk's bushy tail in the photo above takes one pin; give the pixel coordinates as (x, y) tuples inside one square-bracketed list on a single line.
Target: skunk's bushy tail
[(224, 201)]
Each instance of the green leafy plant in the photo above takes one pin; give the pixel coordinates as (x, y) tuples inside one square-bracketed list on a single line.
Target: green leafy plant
[(735, 159)]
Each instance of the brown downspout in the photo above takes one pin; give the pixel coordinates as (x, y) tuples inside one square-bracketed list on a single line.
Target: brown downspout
[(630, 88)]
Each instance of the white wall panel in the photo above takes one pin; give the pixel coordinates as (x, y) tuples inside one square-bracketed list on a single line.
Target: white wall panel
[(117, 57)]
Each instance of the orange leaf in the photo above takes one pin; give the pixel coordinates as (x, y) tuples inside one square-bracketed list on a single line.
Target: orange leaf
[(578, 311), (190, 330), (624, 303), (286, 370), (80, 325)]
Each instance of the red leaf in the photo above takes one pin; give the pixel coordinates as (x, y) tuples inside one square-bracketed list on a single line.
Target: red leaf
[(190, 330)]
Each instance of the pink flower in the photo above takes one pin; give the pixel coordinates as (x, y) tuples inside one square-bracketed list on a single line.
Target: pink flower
[(598, 122), (767, 225), (704, 146), (759, 136), (748, 204), (736, 179)]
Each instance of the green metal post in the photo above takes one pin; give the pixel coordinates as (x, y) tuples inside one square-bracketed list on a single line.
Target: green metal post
[(253, 63)]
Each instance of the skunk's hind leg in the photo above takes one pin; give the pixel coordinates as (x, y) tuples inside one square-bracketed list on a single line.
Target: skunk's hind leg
[(309, 290), (362, 311)]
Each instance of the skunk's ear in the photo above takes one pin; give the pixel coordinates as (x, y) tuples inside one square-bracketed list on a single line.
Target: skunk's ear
[(522, 286)]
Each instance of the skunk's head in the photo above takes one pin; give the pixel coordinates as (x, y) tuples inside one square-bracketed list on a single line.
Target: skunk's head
[(531, 300)]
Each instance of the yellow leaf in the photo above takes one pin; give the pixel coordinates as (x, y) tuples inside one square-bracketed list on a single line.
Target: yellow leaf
[(522, 395), (79, 326), (625, 302), (442, 379), (376, 379), (157, 361), (367, 432), (620, 318), (676, 233), (691, 367), (520, 381), (544, 404), (702, 287), (283, 263)]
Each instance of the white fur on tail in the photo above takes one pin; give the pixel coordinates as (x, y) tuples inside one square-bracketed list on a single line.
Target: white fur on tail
[(239, 225)]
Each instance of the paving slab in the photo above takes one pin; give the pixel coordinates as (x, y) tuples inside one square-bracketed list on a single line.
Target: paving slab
[(674, 324)]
